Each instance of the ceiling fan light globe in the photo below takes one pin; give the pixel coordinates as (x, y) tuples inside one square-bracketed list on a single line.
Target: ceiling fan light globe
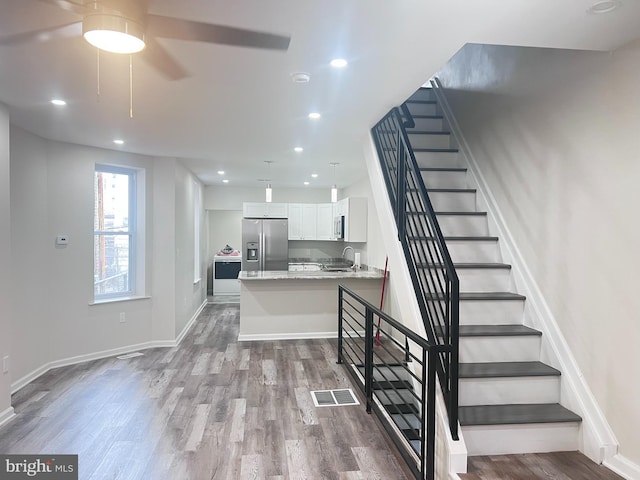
[(113, 33)]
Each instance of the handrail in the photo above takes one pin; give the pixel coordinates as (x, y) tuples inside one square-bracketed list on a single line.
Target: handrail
[(432, 272), (384, 369)]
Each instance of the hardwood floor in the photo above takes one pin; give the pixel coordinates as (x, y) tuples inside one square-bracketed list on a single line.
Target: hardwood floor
[(214, 408), (211, 408), (534, 466)]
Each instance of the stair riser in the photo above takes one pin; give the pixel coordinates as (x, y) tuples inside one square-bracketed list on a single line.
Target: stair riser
[(500, 391), (423, 94), (491, 312), (428, 124), (423, 108), (439, 159), (422, 140), (473, 252), (453, 201), (500, 349), (445, 179), (463, 225), (473, 280), (513, 439), (484, 280)]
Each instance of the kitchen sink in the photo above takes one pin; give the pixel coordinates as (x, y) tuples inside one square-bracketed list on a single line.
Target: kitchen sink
[(337, 267)]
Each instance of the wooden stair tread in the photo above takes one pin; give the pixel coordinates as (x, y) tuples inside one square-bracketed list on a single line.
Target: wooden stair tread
[(497, 331), (506, 369), (516, 414)]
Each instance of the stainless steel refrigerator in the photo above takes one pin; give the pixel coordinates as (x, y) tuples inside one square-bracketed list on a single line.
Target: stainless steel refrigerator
[(265, 244)]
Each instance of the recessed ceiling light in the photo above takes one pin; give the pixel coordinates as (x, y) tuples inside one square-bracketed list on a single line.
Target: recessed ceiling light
[(338, 63), (58, 102), (306, 183), (220, 172), (604, 6), (226, 180), (298, 149), (118, 141), (314, 175), (314, 115), (300, 77)]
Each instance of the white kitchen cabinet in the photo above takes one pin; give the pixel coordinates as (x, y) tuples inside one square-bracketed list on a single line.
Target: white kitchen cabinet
[(264, 210), (324, 221), (302, 221), (355, 219)]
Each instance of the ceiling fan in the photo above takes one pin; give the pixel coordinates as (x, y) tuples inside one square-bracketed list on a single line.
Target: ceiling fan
[(112, 21)]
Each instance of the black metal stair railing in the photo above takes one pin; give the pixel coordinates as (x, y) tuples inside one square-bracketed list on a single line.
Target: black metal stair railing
[(395, 368), (432, 272)]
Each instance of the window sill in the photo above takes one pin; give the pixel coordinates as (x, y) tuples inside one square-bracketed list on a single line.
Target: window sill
[(118, 299)]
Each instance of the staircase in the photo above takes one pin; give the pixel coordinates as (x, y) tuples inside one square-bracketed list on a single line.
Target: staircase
[(509, 400)]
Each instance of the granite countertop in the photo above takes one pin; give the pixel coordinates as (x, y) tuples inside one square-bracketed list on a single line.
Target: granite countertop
[(367, 273)]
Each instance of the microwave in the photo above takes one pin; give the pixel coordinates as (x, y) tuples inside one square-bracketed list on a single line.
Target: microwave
[(338, 227)]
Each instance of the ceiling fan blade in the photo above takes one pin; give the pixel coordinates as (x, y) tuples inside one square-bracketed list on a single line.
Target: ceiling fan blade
[(156, 56), (179, 29), (44, 34), (68, 5)]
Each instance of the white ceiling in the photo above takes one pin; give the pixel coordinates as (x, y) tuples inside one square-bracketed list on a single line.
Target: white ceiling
[(239, 106)]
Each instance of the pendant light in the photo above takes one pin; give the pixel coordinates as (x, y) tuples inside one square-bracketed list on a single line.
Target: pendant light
[(334, 188), (268, 191)]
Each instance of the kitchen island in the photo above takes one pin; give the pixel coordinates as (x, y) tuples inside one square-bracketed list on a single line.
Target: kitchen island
[(276, 305)]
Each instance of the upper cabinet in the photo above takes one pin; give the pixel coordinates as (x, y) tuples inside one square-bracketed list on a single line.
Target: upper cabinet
[(264, 210), (302, 221), (310, 221), (324, 221), (354, 211)]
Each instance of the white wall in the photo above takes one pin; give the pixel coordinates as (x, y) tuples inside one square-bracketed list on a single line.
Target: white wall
[(52, 288), (189, 295), (6, 313), (556, 136), (227, 197)]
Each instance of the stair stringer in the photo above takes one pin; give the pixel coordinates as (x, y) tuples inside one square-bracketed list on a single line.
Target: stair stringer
[(596, 438), (451, 455)]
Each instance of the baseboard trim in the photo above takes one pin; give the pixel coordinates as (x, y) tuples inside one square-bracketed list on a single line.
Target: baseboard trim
[(623, 467), (65, 362), (6, 416), (252, 337), (190, 323), (599, 442)]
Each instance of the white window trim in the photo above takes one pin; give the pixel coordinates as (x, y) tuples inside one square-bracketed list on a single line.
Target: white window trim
[(135, 233)]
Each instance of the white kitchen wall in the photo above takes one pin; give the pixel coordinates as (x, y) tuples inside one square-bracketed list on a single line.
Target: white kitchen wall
[(555, 134), (227, 197), (225, 227), (6, 313), (52, 194)]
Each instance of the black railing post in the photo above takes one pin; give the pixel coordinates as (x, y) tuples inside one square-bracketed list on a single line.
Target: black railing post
[(407, 357), (401, 191), (454, 356), (340, 359), (368, 358), (424, 438), (430, 416)]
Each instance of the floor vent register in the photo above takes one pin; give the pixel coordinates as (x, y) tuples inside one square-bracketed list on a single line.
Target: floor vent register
[(334, 398)]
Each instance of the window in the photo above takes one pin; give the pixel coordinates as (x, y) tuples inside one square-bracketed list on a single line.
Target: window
[(114, 225)]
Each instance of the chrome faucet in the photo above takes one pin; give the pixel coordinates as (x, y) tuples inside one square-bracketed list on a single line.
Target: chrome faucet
[(345, 251)]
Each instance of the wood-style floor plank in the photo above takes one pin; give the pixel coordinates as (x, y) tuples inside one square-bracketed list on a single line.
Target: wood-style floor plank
[(211, 408)]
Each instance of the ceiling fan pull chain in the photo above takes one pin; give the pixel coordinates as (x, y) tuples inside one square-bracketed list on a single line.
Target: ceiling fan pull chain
[(130, 86)]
